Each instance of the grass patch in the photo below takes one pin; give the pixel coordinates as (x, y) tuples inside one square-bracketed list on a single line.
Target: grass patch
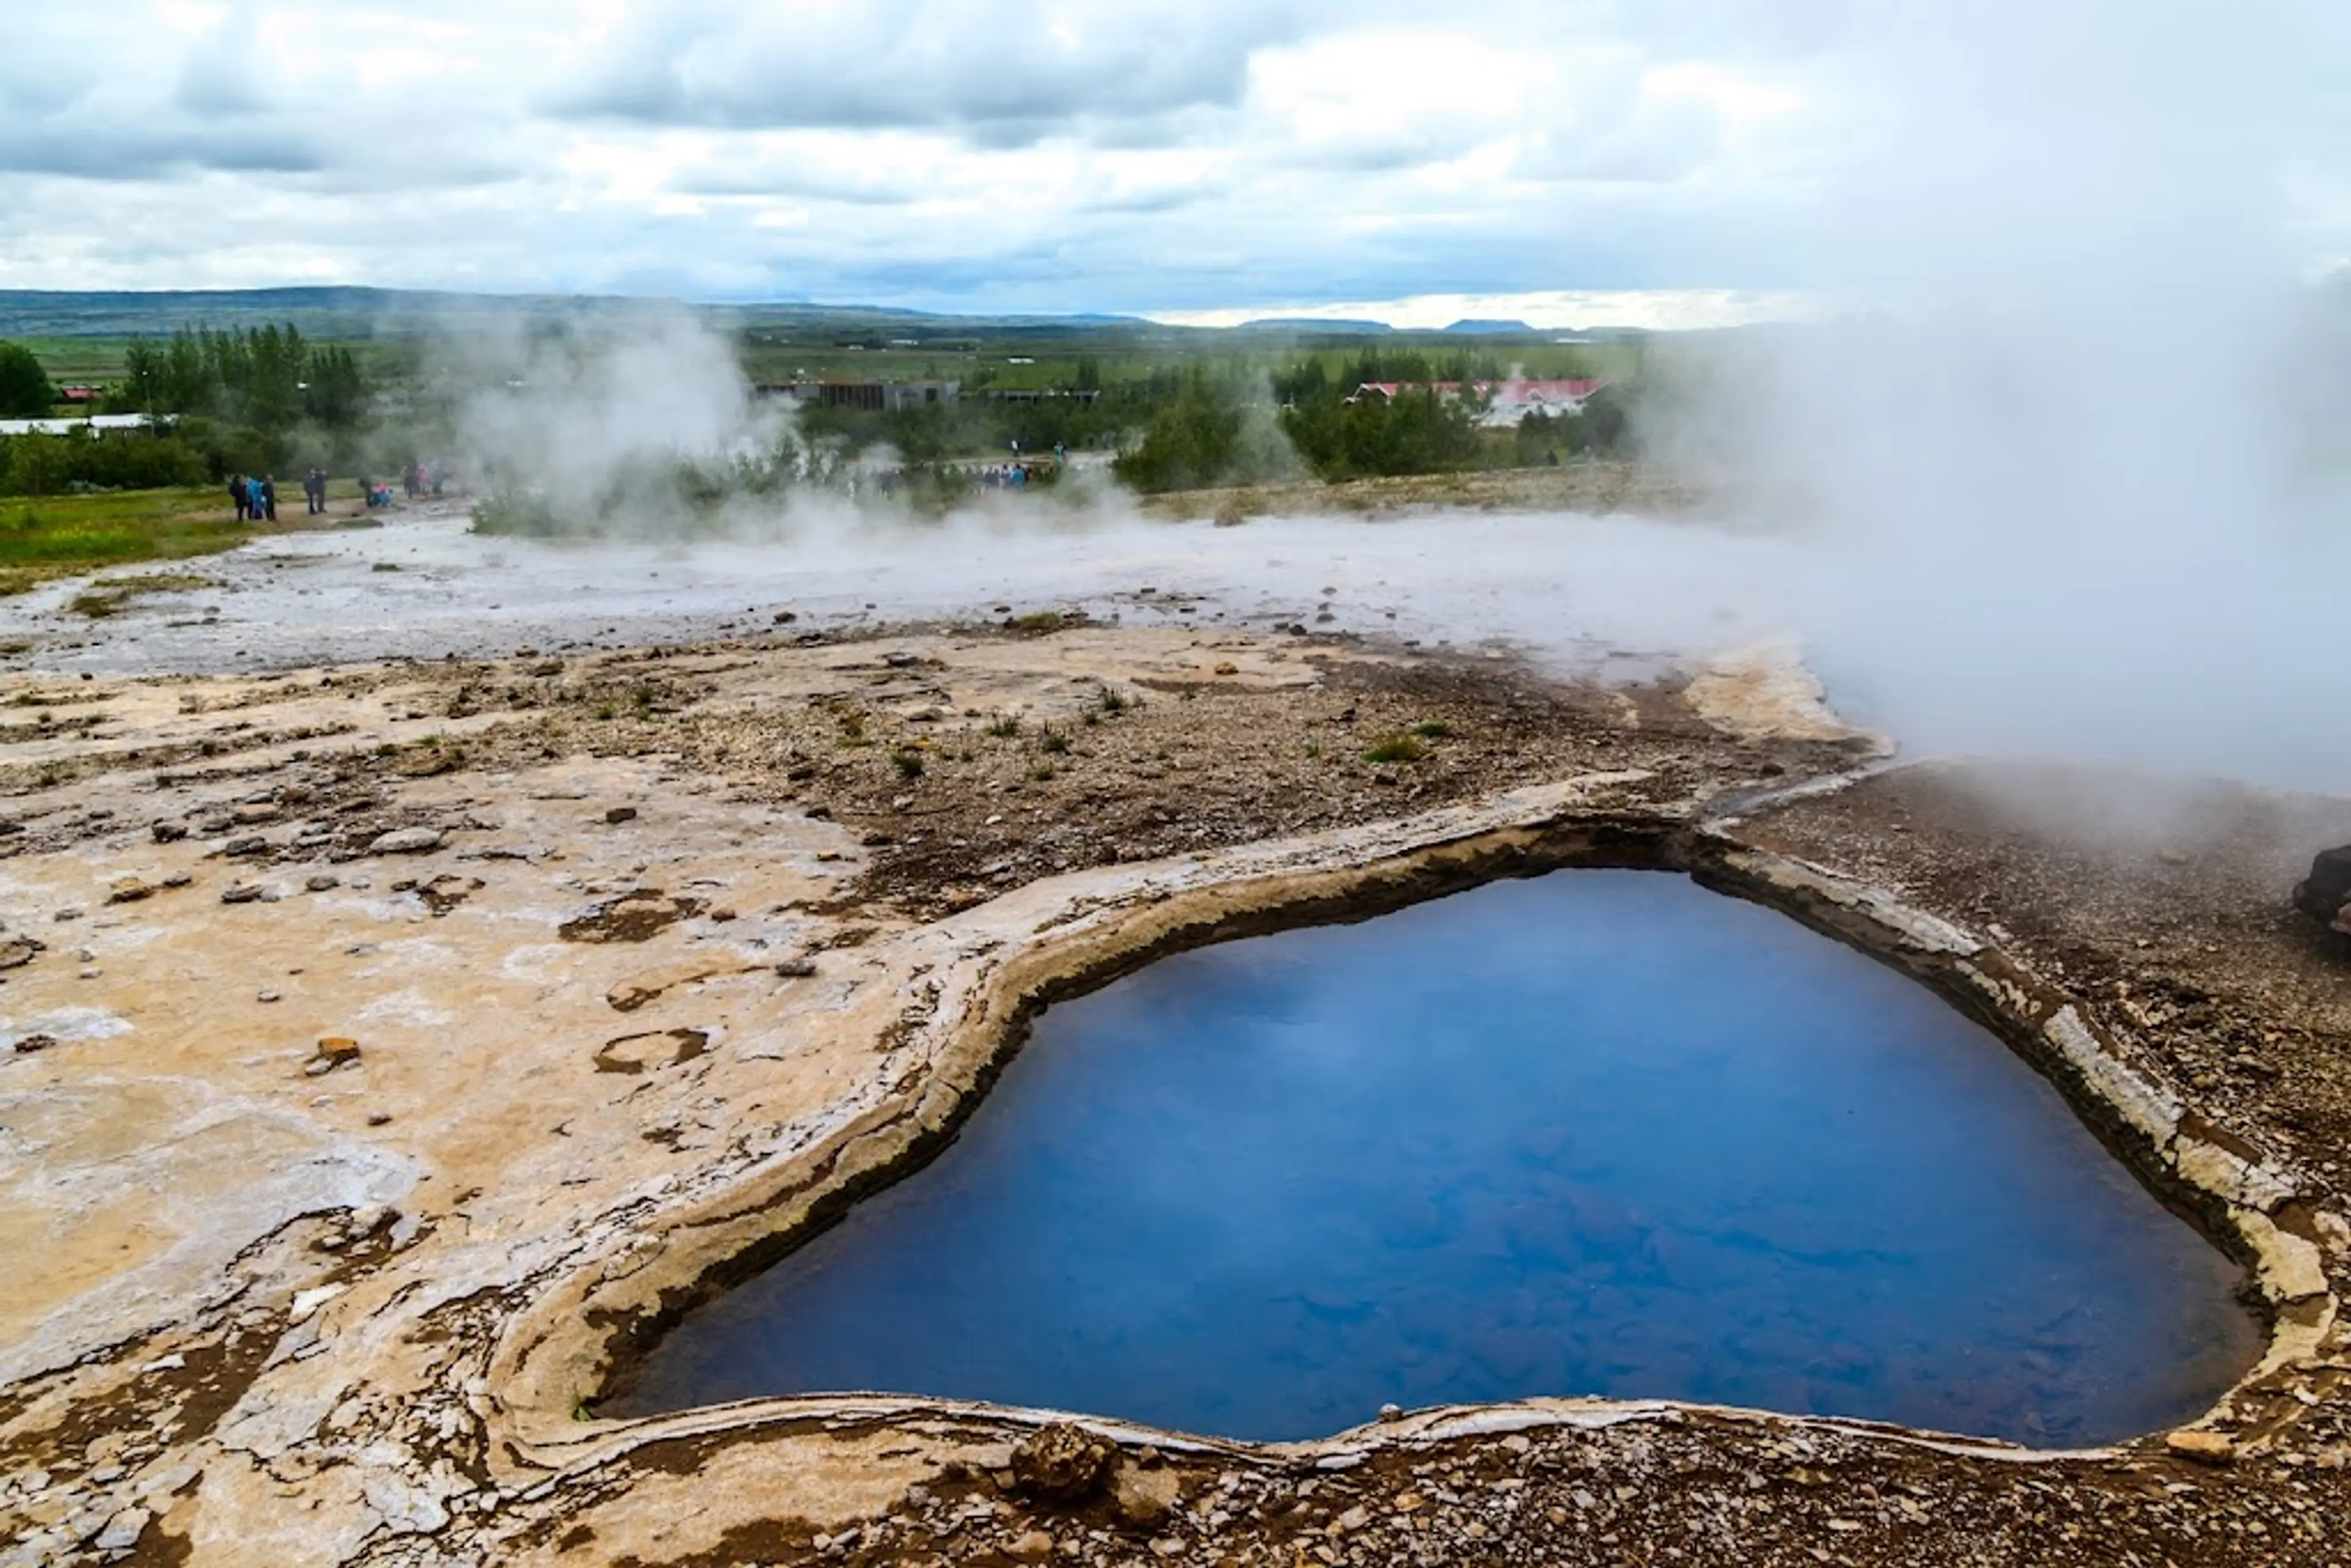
[(112, 596), (1040, 623), (1432, 729), (1055, 742), (909, 764), (1042, 773), (61, 535), (1004, 726), (1401, 747)]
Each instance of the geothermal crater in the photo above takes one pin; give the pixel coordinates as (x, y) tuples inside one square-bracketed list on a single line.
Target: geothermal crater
[(1602, 1132)]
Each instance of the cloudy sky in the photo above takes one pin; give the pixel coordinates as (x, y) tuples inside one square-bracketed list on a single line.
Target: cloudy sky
[(1570, 160)]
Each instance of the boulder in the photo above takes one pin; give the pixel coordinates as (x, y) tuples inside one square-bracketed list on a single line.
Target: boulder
[(1061, 1463), (2326, 894)]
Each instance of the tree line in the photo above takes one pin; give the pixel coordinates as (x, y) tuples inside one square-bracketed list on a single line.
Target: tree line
[(1232, 429), (261, 401), (266, 378)]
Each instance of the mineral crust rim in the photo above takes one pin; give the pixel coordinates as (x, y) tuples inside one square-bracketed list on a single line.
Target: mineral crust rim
[(995, 963)]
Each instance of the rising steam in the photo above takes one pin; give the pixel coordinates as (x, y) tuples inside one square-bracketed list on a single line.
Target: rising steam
[(2070, 461)]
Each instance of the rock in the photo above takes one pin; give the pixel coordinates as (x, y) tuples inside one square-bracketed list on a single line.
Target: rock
[(334, 1051), (1061, 1463), (621, 815), (2325, 892), (1033, 1547), (323, 882), (267, 996), (169, 832), (18, 951), (243, 893), (128, 890), (1228, 669), (254, 815), (407, 842), (1391, 1412), (239, 848), (1143, 1498), (123, 1531), (30, 1043), (2203, 1447)]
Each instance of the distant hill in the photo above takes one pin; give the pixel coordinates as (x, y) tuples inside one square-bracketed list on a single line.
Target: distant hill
[(353, 313), (1491, 328), (1312, 324)]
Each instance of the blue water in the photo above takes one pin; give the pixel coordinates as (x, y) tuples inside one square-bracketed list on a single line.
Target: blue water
[(1600, 1133)]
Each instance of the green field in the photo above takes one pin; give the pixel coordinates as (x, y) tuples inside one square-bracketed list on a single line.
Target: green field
[(59, 536)]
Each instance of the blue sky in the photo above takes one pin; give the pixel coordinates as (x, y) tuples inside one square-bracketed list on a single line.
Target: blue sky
[(1569, 160)]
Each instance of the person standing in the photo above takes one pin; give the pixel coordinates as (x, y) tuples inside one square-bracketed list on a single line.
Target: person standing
[(269, 497), (314, 490), (236, 492)]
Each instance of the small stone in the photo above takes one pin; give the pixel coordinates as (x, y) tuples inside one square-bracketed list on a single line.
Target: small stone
[(621, 815), (722, 916), (169, 832), (1033, 1547), (1141, 1498), (267, 996), (407, 842), (243, 893), (1228, 669), (379, 1118), (177, 879), (336, 1050), (2203, 1447), (28, 1044), (323, 882), (241, 848), (69, 912), (1391, 1412), (796, 968), (128, 890)]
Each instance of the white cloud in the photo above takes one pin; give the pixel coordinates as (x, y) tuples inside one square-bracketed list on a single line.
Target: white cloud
[(1145, 154)]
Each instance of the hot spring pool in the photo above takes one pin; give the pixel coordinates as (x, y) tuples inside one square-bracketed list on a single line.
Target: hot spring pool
[(1598, 1133)]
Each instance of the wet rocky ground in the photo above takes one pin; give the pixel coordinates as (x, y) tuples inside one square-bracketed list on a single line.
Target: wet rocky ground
[(364, 1021)]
